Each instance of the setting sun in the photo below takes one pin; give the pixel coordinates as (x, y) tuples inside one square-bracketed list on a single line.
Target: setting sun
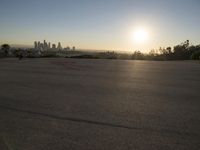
[(140, 35)]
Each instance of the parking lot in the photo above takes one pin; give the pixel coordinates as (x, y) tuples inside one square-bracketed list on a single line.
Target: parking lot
[(88, 104)]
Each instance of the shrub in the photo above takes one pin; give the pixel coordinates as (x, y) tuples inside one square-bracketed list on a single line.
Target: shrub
[(196, 55)]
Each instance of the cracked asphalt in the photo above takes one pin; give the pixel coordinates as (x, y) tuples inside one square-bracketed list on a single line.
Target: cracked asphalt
[(58, 103)]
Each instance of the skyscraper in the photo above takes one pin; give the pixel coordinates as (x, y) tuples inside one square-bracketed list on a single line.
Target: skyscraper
[(38, 45), (35, 45), (59, 46), (49, 45), (46, 46)]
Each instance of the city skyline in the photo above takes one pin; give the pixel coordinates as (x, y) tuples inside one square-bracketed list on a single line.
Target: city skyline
[(46, 45), (101, 25)]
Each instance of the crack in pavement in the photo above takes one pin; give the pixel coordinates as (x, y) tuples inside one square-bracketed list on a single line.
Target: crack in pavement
[(98, 122)]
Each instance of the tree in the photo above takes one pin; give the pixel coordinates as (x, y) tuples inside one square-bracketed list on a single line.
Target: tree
[(182, 51), (196, 55), (5, 48), (137, 55), (169, 50), (195, 51)]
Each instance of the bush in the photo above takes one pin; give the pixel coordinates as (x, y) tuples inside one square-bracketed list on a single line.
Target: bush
[(107, 55), (196, 55), (49, 54)]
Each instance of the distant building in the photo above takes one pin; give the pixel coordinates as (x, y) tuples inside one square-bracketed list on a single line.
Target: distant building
[(49, 45), (43, 46), (38, 45), (54, 46), (59, 46), (35, 45), (67, 48)]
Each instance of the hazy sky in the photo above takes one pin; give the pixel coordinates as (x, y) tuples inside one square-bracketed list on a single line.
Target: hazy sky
[(100, 24)]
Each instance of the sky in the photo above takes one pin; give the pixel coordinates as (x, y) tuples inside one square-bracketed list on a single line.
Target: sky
[(100, 24)]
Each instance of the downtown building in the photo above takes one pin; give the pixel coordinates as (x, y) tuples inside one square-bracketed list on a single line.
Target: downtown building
[(46, 46)]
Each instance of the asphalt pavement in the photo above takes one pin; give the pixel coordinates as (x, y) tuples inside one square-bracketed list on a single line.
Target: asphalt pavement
[(90, 104)]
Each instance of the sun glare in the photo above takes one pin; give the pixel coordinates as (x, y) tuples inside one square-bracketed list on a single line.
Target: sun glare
[(140, 35)]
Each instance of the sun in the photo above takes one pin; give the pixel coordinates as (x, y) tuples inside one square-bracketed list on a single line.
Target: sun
[(140, 35)]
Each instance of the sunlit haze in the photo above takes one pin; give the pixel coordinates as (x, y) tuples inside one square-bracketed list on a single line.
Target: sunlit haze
[(124, 25)]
